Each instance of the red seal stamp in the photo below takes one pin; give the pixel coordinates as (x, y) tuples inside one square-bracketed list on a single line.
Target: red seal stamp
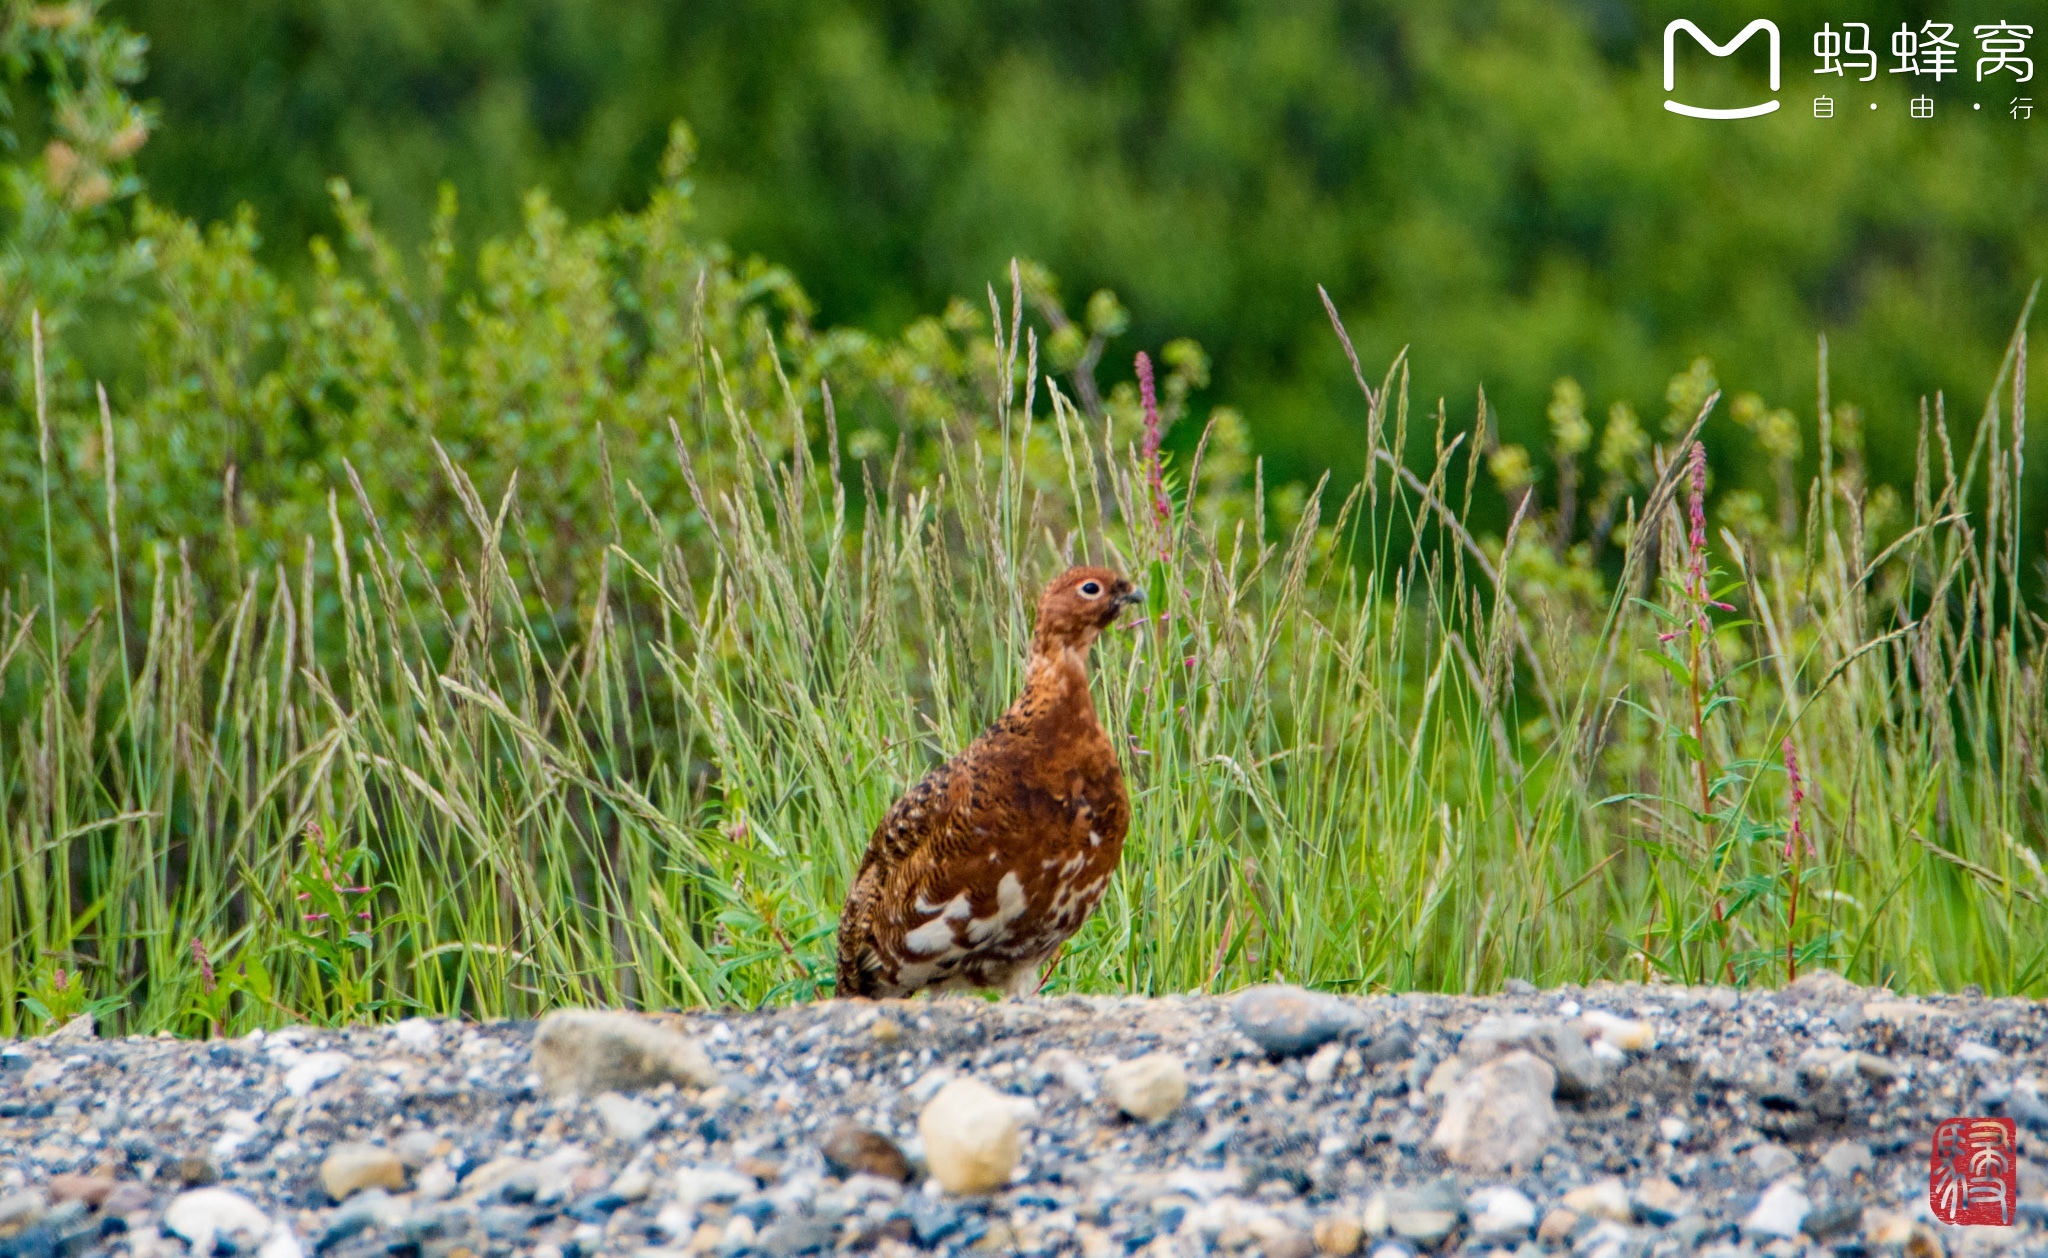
[(1973, 1175)]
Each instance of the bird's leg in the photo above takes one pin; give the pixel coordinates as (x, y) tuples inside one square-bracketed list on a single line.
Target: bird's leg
[(1023, 982)]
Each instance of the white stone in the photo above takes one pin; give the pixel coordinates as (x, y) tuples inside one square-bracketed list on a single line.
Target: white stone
[(1971, 1053), (1846, 1157), (417, 1035), (1673, 1130), (1772, 1160), (1147, 1088), (1779, 1212), (972, 1136), (1630, 1035), (1069, 1069), (698, 1185), (633, 1183), (590, 1051), (1501, 1213), (204, 1215), (1322, 1067), (1500, 1114), (1607, 1199), (628, 1120), (312, 1070), (282, 1243)]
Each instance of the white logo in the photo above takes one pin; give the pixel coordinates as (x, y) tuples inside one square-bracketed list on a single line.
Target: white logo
[(1720, 50)]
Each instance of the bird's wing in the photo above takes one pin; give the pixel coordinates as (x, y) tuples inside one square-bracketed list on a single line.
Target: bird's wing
[(908, 834)]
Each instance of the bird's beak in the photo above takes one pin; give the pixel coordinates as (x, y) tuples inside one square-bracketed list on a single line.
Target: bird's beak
[(1125, 599)]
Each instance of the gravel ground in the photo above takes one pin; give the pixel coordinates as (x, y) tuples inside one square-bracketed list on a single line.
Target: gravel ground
[(1608, 1121)]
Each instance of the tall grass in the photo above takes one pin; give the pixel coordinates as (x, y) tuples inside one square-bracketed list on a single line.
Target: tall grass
[(1375, 752)]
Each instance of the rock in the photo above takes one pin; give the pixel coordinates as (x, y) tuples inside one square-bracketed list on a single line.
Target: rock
[(972, 1137), (1068, 1068), (701, 1185), (1395, 1043), (1500, 1115), (1578, 1072), (417, 1035), (1424, 1215), (1629, 1035), (1374, 1220), (932, 1220), (1659, 1202), (1674, 1130), (633, 1183), (14, 1060), (350, 1168), (417, 1148), (1846, 1157), (1322, 1067), (851, 1149), (436, 1183), (628, 1120), (89, 1189), (127, 1198), (1833, 1219), (1288, 1021), (314, 1069), (205, 1215), (77, 1030), (1502, 1214), (590, 1051), (1818, 988), (1779, 1212), (796, 1236), (1607, 1199), (1338, 1235), (1518, 987), (282, 1244), (1772, 1160), (21, 1210), (195, 1171), (1971, 1053), (1147, 1088), (1557, 1225)]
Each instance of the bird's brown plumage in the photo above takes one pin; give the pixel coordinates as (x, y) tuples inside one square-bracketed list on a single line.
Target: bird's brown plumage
[(977, 875)]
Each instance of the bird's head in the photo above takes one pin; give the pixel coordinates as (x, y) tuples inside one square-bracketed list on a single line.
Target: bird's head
[(1079, 604)]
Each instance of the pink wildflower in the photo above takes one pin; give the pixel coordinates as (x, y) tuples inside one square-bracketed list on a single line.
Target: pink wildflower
[(1796, 837), (1161, 506)]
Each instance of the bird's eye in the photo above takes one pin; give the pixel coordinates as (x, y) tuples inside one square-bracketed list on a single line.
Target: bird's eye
[(1091, 588)]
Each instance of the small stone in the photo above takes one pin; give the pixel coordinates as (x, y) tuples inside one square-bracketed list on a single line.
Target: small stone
[(851, 1149), (1846, 1157), (205, 1215), (435, 1183), (14, 1060), (699, 1185), (1674, 1130), (417, 1035), (1578, 1072), (1147, 1088), (1518, 987), (1630, 1035), (195, 1171), (1871, 1066), (92, 1190), (1659, 1202), (886, 1031), (127, 1198), (1772, 1160), (1066, 1066), (1375, 1218), (627, 1119), (22, 1209), (796, 1236), (590, 1051), (972, 1137), (633, 1183), (1557, 1225), (1288, 1021), (417, 1148), (1501, 1213), (1339, 1235), (77, 1029), (1779, 1212), (1971, 1053), (1833, 1219), (351, 1168), (1395, 1043), (1607, 1199), (312, 1070), (1424, 1215), (1500, 1115), (1322, 1067)]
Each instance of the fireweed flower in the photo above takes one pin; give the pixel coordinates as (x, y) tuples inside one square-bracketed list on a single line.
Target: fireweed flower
[(1161, 506), (1796, 837)]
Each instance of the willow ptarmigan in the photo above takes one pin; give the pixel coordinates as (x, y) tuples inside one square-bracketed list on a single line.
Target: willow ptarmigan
[(978, 875)]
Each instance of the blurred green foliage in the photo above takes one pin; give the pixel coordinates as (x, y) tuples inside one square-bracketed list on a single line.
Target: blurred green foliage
[(1492, 181)]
